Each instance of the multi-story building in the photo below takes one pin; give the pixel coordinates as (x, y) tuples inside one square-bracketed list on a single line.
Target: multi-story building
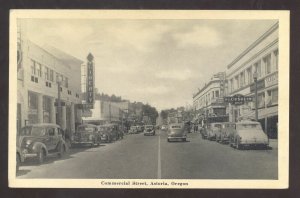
[(260, 57), (39, 71), (208, 101)]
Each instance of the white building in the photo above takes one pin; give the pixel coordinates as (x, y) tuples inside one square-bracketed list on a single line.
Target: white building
[(39, 69), (261, 57)]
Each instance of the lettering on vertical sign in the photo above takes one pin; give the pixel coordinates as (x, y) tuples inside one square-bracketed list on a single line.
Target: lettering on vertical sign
[(90, 83)]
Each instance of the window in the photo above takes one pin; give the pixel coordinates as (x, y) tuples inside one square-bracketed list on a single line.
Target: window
[(39, 70), (237, 82), (51, 75), (46, 73), (261, 100), (257, 67), (66, 82), (249, 75), (33, 67), (272, 97), (242, 79), (213, 94), (275, 59), (267, 62), (232, 85), (32, 100), (217, 94)]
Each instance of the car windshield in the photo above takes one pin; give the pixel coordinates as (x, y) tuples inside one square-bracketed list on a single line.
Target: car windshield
[(248, 126), (176, 127), (86, 129), (33, 131)]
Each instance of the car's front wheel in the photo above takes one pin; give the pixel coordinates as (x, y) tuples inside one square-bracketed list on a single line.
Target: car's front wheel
[(41, 156)]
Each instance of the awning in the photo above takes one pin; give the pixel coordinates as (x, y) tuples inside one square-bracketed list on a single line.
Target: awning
[(262, 113)]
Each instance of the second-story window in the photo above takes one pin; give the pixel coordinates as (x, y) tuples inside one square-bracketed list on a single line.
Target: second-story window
[(242, 79), (51, 75), (249, 75), (276, 59), (66, 82), (39, 69), (267, 63), (33, 67), (257, 67), (217, 94), (46, 73)]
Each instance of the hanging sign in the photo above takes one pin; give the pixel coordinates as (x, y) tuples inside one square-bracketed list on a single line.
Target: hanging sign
[(90, 82), (238, 99)]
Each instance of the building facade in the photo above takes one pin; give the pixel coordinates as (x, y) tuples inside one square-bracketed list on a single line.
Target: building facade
[(260, 57), (208, 101), (40, 71)]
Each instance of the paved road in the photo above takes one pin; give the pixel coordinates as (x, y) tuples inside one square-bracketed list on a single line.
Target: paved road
[(152, 157)]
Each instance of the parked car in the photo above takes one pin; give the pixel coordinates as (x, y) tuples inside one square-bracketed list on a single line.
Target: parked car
[(164, 128), (105, 135), (212, 130), (248, 133), (140, 128), (177, 131), (86, 134), (41, 140), (133, 130), (226, 132), (149, 130), (112, 132), (19, 157)]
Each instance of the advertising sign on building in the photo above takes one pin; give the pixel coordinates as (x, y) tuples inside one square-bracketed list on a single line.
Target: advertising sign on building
[(90, 82), (238, 99)]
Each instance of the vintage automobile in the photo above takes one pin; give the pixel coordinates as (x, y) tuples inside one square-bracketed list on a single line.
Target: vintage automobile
[(19, 157), (248, 133), (133, 130), (164, 127), (226, 132), (41, 140), (149, 130), (86, 134), (177, 131), (212, 130), (140, 128), (110, 132)]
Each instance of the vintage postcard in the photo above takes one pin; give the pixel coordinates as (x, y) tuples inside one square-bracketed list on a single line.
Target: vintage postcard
[(149, 99)]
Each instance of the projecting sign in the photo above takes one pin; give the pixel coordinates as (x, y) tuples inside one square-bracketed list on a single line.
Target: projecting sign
[(238, 99), (90, 82)]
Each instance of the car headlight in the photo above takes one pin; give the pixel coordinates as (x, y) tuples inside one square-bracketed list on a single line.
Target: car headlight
[(28, 142)]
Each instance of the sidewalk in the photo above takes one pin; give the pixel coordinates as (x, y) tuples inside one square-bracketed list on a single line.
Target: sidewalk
[(273, 143)]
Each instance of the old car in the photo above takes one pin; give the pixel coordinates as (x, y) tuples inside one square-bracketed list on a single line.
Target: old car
[(40, 140), (226, 132), (110, 132), (212, 130), (86, 134), (19, 157), (149, 130), (177, 131), (248, 133), (105, 135), (133, 130)]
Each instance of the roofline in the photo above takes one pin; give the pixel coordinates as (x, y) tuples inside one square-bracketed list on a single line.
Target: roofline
[(203, 88), (255, 43)]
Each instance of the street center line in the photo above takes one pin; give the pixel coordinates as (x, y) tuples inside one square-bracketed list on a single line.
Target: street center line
[(159, 159)]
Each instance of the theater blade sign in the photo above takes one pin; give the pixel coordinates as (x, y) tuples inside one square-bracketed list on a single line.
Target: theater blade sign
[(238, 99), (90, 82)]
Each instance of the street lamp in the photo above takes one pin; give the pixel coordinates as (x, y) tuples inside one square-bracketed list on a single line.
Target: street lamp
[(255, 83), (59, 109)]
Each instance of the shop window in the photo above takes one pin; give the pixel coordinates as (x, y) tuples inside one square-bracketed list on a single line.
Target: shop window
[(267, 63)]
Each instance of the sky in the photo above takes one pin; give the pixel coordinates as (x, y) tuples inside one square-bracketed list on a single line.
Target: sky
[(159, 62)]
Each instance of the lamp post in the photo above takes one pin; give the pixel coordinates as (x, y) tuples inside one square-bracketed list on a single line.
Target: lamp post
[(59, 113), (255, 83)]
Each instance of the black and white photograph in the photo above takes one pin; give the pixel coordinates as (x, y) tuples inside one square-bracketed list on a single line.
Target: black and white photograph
[(149, 99)]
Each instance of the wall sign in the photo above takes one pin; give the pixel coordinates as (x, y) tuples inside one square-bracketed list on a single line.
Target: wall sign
[(90, 82), (271, 80), (238, 99)]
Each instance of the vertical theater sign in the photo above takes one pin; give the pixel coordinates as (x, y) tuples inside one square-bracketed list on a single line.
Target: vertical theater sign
[(90, 82)]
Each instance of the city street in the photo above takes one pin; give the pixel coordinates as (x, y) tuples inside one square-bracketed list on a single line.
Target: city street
[(152, 157)]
